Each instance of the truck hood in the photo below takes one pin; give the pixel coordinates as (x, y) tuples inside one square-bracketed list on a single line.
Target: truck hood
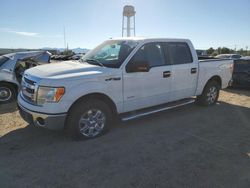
[(66, 69)]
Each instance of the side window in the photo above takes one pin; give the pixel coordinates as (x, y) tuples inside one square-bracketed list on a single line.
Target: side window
[(152, 53), (179, 53)]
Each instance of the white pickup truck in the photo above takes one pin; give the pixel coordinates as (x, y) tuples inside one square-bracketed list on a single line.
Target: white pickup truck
[(126, 78)]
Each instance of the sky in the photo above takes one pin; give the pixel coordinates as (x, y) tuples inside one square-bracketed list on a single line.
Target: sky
[(40, 23)]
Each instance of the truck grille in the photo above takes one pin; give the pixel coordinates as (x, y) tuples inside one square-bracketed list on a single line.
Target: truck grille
[(29, 81), (28, 90)]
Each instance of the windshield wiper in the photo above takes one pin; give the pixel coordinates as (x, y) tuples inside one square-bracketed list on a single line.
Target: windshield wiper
[(95, 62)]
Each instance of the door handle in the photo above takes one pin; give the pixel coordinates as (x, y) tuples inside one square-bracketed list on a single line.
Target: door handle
[(166, 74), (193, 70)]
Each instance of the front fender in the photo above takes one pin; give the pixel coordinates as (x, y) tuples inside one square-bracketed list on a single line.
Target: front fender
[(112, 89)]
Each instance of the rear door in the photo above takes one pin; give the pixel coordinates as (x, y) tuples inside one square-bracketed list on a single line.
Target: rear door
[(184, 70), (145, 89)]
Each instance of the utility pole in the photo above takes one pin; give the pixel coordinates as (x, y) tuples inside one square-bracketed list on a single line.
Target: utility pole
[(235, 47), (65, 47), (246, 50)]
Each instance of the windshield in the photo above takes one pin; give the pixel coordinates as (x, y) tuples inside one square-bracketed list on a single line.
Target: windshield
[(3, 59), (111, 53)]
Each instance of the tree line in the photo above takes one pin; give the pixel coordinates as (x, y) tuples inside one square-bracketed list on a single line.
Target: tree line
[(223, 50)]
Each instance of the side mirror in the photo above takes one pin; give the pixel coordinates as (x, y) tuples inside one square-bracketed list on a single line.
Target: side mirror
[(138, 66)]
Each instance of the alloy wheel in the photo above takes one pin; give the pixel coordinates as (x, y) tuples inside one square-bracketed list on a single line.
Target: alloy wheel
[(212, 95), (92, 123)]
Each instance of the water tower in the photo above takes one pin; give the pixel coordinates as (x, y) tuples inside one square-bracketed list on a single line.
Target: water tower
[(128, 14)]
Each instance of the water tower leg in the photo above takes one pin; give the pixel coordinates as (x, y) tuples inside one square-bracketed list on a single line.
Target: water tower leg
[(122, 25), (128, 27), (134, 26)]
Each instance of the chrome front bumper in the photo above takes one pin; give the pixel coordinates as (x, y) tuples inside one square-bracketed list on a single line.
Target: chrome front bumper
[(50, 121)]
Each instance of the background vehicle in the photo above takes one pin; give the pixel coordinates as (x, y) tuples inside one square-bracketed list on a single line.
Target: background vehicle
[(77, 56), (12, 67), (129, 77), (246, 57), (241, 73), (228, 56)]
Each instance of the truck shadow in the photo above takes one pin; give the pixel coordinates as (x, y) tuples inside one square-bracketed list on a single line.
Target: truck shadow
[(30, 137), (8, 108)]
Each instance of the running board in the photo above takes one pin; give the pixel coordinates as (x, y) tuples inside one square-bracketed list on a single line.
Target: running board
[(145, 112)]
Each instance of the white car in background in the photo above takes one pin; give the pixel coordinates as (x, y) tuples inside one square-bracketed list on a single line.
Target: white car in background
[(228, 56)]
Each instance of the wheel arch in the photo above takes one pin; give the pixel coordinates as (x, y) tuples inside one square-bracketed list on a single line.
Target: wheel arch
[(100, 96), (10, 83), (214, 78), (201, 98)]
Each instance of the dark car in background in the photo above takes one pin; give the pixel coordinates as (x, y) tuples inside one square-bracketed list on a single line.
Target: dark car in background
[(241, 73)]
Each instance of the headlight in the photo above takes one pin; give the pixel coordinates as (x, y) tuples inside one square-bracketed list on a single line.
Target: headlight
[(49, 94)]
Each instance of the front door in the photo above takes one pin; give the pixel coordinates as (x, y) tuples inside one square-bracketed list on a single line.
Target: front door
[(145, 89)]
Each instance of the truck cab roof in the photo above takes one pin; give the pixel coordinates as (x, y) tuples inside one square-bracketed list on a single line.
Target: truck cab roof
[(151, 39)]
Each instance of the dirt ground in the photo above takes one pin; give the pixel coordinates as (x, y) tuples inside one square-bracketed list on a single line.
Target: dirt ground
[(190, 146)]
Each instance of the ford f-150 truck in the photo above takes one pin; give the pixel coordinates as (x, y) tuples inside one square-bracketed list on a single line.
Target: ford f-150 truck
[(126, 78)]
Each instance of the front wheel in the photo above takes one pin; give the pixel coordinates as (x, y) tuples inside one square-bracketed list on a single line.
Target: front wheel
[(210, 94), (7, 93), (89, 119)]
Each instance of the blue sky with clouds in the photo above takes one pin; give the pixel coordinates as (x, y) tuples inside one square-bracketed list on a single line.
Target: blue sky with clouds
[(36, 24)]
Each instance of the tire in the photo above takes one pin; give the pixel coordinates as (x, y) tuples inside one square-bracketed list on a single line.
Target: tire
[(210, 94), (88, 119), (8, 93)]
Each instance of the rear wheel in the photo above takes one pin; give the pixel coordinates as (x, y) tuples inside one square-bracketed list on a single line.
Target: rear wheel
[(210, 94), (7, 93), (89, 119)]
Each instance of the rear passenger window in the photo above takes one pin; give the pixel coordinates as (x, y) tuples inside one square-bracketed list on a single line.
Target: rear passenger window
[(152, 53), (179, 53)]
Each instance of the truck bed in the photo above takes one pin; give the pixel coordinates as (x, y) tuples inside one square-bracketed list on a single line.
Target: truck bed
[(213, 67)]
